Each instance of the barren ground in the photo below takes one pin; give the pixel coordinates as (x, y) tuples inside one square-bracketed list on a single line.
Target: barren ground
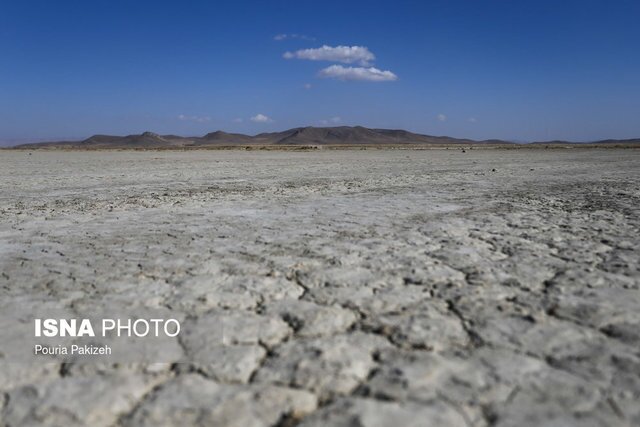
[(365, 288)]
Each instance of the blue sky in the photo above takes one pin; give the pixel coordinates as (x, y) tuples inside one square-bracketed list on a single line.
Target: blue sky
[(521, 70)]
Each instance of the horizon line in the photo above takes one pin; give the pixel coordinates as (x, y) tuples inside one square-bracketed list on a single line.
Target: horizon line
[(21, 141)]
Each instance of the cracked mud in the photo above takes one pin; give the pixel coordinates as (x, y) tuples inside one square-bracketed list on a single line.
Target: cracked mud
[(342, 288)]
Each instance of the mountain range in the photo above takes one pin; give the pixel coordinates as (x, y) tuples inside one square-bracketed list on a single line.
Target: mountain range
[(302, 136)]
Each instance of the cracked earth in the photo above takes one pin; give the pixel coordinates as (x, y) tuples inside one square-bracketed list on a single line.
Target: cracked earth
[(333, 288)]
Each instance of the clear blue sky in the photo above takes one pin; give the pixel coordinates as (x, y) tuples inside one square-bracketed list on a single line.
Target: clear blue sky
[(522, 70)]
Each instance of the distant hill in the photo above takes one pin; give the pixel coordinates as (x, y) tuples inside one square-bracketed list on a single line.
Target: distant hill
[(302, 136), (632, 141), (220, 137), (341, 135), (144, 140)]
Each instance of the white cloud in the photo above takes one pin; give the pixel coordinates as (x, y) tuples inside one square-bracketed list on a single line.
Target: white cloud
[(237, 120), (473, 120), (370, 74), (197, 119), (261, 118), (332, 120), (441, 117), (344, 54), (307, 86), (280, 37)]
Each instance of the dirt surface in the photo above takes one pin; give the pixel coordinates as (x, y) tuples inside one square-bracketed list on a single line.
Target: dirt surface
[(366, 288)]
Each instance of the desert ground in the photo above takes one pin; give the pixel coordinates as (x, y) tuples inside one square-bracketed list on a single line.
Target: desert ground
[(331, 288)]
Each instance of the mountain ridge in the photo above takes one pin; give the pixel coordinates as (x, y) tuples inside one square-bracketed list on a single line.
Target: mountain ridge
[(300, 136)]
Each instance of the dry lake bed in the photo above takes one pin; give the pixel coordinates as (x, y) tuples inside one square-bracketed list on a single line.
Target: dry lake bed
[(331, 288)]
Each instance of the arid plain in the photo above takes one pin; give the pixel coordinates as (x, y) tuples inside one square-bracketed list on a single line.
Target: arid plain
[(347, 287)]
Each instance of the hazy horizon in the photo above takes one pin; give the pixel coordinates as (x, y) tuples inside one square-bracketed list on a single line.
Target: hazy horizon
[(18, 141)]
